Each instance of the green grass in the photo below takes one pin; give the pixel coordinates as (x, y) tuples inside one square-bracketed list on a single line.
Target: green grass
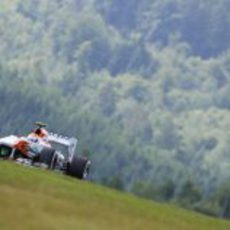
[(38, 199)]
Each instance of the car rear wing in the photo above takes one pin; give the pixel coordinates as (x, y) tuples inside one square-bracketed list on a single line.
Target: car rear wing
[(69, 142)]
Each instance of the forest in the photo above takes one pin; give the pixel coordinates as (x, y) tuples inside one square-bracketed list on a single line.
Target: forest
[(144, 86)]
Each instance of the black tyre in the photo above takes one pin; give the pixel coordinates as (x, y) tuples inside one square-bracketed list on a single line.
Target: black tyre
[(78, 167), (48, 157)]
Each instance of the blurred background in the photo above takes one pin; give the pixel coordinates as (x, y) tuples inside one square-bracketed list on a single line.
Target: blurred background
[(144, 86)]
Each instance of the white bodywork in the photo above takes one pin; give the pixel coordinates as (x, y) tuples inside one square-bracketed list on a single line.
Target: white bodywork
[(9, 140), (70, 143)]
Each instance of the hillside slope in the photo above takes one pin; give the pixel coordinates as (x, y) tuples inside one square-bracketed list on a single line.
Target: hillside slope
[(37, 199)]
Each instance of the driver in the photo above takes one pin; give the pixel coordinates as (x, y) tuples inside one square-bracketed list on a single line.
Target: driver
[(39, 133)]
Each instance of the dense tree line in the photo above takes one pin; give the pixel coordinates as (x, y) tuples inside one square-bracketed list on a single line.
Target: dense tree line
[(144, 85)]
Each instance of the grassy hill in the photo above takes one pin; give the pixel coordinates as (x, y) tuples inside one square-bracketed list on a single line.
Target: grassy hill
[(38, 199)]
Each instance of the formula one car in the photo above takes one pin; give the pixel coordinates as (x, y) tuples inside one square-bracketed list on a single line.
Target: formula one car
[(40, 149)]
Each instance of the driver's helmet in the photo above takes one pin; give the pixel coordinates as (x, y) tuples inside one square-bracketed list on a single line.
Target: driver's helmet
[(41, 132)]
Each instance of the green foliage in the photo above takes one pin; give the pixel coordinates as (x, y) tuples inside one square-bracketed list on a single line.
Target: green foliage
[(163, 192), (189, 194), (144, 85)]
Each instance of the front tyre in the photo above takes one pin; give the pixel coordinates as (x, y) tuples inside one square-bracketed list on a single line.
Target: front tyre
[(48, 157), (78, 167)]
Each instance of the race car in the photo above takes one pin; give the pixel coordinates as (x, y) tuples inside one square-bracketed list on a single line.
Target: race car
[(46, 150)]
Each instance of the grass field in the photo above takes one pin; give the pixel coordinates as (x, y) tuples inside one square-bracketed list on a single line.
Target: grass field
[(37, 199)]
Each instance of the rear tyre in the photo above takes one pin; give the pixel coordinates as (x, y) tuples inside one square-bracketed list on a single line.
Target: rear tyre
[(78, 167), (48, 157)]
